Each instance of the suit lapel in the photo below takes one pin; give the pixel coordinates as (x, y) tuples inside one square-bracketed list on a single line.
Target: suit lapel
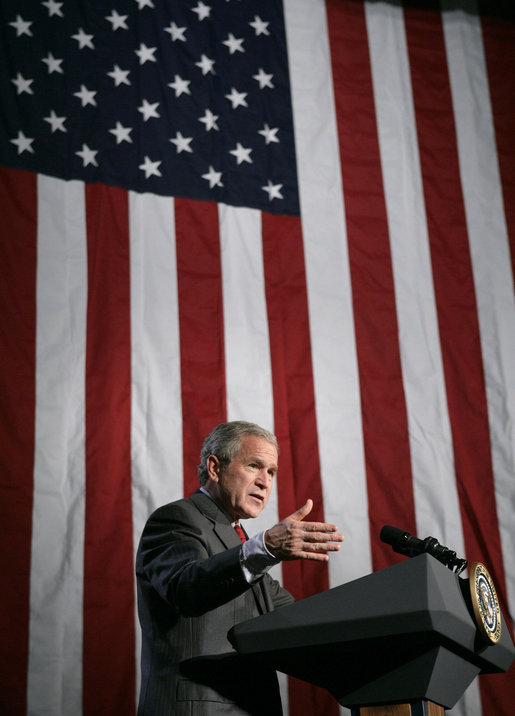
[(227, 534), (219, 519)]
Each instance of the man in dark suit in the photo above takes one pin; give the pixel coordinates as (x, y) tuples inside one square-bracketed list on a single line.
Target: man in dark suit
[(197, 578)]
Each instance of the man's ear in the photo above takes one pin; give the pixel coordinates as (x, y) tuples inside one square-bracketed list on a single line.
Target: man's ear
[(213, 468)]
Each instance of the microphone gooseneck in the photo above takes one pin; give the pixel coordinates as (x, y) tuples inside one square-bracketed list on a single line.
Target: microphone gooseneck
[(403, 543)]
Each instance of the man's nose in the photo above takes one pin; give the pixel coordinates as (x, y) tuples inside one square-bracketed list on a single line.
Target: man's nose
[(264, 479)]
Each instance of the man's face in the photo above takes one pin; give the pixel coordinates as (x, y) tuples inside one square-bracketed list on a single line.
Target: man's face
[(244, 486)]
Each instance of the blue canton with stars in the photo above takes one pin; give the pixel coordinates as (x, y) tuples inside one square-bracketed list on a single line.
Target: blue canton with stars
[(187, 99)]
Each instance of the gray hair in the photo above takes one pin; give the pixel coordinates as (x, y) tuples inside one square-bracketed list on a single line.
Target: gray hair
[(224, 441)]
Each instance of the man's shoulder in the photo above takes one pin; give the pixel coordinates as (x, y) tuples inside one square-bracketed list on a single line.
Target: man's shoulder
[(177, 507), (197, 505), (174, 517)]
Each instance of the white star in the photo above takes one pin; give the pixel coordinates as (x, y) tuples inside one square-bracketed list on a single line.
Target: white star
[(150, 168), (182, 143), (54, 8), (88, 156), (242, 154), (149, 110), (213, 177), (57, 123), (273, 190), (23, 143), (144, 3), (263, 79), (21, 26), (83, 39), (22, 85), (260, 27), (237, 98), (270, 135), (119, 76), (176, 33), (206, 65), (86, 96), (234, 44), (180, 86), (117, 21), (121, 133), (146, 54), (209, 119), (201, 10), (52, 63)]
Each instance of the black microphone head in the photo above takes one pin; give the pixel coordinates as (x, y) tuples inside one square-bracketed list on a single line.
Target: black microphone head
[(392, 535), (401, 541)]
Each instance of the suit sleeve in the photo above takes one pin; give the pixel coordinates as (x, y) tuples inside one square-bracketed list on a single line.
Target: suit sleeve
[(175, 559), (280, 596)]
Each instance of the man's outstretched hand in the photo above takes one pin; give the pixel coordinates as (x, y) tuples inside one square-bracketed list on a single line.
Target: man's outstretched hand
[(292, 538)]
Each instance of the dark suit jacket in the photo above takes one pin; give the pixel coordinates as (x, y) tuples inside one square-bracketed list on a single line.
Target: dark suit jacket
[(191, 591)]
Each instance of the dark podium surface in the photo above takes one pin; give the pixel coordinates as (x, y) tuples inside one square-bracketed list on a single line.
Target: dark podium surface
[(404, 633)]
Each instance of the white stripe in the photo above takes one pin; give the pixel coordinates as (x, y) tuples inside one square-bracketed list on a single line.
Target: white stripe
[(247, 344), (55, 645), (156, 429), (329, 291), (490, 253), (157, 474)]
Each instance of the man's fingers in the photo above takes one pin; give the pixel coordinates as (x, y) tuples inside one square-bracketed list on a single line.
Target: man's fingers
[(327, 535), (314, 556), (318, 527), (317, 552), (294, 539), (320, 547), (303, 511)]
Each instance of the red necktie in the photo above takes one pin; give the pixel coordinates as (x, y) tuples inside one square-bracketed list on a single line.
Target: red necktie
[(241, 533)]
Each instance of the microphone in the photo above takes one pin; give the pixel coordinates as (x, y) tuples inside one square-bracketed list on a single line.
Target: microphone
[(403, 543)]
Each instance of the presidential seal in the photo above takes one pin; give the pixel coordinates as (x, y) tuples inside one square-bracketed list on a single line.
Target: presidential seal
[(485, 603)]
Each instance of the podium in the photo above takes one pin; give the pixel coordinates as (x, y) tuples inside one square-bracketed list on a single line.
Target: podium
[(402, 636)]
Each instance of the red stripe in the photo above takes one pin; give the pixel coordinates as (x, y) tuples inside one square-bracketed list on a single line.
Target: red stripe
[(456, 304), (18, 256), (385, 426), (499, 41), (294, 414), (199, 282), (108, 647)]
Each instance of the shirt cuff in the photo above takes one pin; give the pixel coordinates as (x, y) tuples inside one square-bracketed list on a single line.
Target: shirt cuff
[(255, 559)]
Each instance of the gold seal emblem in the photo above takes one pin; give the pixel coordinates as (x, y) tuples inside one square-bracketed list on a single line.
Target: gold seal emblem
[(485, 603)]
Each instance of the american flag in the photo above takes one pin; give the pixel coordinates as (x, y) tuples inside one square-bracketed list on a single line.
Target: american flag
[(300, 214)]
